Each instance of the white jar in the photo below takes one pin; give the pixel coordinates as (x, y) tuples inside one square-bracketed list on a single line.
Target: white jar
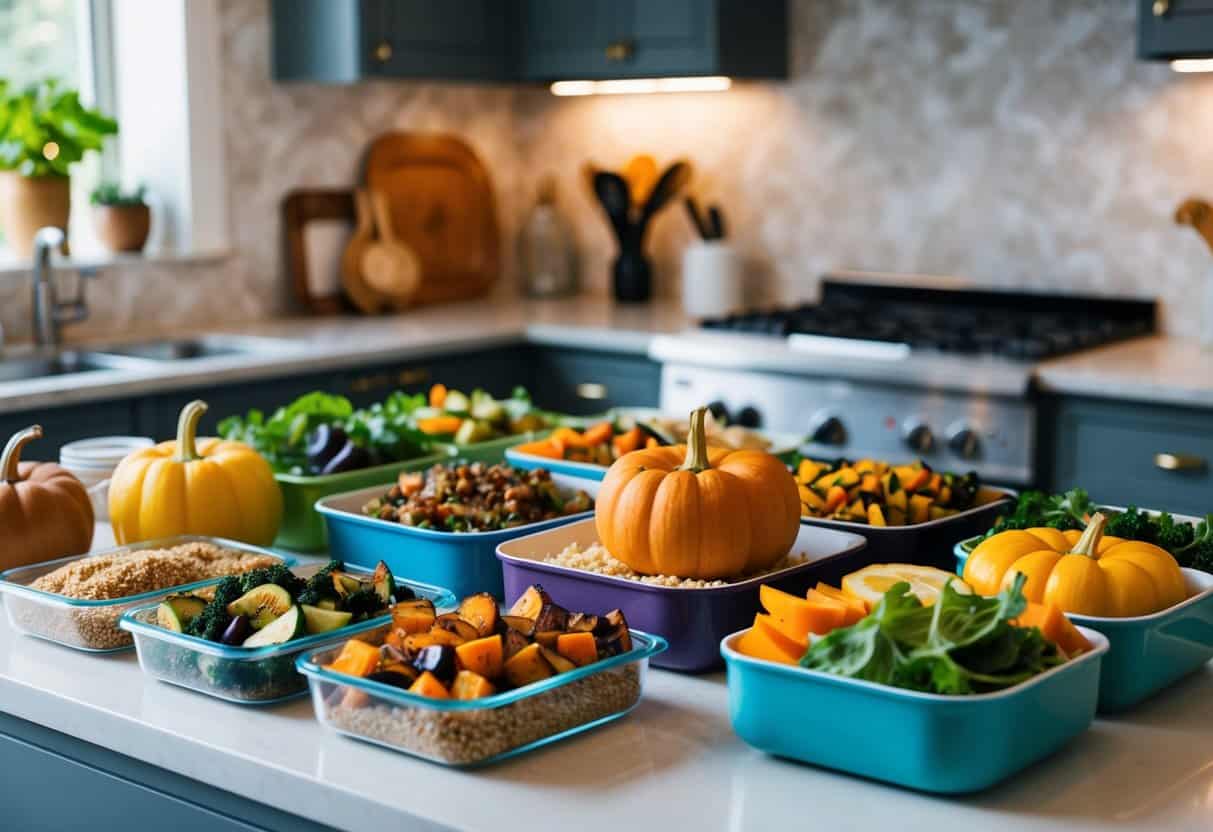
[(713, 279)]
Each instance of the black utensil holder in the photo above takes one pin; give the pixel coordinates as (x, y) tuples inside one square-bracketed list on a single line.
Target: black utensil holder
[(633, 275)]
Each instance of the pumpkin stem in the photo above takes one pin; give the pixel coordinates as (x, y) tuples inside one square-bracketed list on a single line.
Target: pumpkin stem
[(187, 430), (12, 452), (1088, 544), (697, 443)]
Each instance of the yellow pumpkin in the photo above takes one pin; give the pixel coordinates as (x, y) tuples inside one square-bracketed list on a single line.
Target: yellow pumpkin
[(45, 512), (195, 486), (696, 512), (1084, 573)]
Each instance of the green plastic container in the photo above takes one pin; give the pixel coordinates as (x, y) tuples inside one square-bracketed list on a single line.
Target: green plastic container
[(302, 527), (490, 452)]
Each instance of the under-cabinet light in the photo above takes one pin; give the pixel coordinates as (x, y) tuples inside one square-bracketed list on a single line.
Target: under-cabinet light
[(1192, 65), (626, 86)]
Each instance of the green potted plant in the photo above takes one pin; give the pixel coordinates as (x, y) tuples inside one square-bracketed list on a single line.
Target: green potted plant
[(122, 218), (44, 130)]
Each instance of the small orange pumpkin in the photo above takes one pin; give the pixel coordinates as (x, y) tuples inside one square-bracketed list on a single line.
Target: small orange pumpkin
[(696, 512), (45, 512)]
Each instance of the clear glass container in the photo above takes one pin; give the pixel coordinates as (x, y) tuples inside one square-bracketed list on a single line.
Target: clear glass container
[(546, 248)]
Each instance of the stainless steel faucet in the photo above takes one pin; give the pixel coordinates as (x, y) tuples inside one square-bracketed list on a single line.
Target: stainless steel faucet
[(48, 311)]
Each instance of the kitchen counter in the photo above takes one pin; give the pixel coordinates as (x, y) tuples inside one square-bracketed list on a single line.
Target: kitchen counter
[(318, 344), (1158, 370), (673, 763)]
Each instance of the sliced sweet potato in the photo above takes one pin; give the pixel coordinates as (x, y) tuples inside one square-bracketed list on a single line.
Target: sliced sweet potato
[(414, 616), (856, 608), (528, 665), (416, 643), (526, 626), (545, 448), (627, 442), (598, 434), (1055, 627), (531, 602), (763, 641), (357, 658), (470, 685), (395, 638), (579, 648), (485, 656), (481, 612), (427, 684), (453, 623), (558, 662), (392, 666), (796, 617)]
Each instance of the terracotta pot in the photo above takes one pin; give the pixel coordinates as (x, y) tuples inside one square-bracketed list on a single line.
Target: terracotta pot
[(122, 227), (28, 203)]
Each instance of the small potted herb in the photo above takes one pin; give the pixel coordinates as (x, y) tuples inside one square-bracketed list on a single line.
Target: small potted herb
[(44, 130), (121, 218)]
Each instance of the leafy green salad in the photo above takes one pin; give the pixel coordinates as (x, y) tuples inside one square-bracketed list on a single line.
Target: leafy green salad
[(963, 644)]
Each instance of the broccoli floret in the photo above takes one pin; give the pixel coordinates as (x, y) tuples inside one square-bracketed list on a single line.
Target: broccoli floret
[(1133, 525), (1199, 553), (1173, 536), (213, 620), (320, 586), (279, 574), (364, 603)]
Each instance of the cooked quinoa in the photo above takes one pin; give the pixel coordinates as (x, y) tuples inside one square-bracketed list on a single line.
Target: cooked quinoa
[(118, 575), (595, 558)]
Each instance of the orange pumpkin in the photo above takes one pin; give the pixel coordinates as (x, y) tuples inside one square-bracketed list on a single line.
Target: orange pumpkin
[(696, 512), (45, 512)]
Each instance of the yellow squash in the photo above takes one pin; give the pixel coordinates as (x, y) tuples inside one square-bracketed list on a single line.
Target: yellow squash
[(1087, 574), (195, 486)]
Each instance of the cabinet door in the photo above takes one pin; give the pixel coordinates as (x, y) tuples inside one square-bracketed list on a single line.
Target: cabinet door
[(61, 425), (563, 39), (673, 37), (1124, 453), (585, 383), (497, 372), (454, 39), (1174, 28)]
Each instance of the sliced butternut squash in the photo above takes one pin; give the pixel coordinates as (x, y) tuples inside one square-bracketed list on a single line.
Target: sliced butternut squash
[(470, 685), (579, 648), (856, 609), (796, 617), (485, 656), (357, 658), (427, 684), (1055, 627), (528, 665), (764, 641)]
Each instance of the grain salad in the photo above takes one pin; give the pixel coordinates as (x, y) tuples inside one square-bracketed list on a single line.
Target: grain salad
[(93, 624), (595, 558)]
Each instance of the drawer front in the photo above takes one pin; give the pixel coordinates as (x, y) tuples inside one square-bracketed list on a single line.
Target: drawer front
[(1125, 454), (61, 425), (586, 383)]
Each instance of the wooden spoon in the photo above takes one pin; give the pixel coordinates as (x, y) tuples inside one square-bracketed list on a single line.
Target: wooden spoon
[(365, 299), (641, 175), (1198, 214), (389, 265)]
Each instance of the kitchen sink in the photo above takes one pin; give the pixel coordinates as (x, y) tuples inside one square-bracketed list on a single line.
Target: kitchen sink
[(206, 346), (41, 366)]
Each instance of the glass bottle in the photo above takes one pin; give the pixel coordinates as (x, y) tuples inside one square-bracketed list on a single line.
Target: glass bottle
[(548, 257)]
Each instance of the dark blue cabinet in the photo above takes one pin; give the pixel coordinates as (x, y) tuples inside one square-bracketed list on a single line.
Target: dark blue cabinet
[(1168, 29), (585, 382), (61, 425)]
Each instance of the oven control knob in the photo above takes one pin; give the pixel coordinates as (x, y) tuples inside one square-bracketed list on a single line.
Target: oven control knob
[(719, 411), (749, 417), (828, 430), (918, 437), (965, 443)]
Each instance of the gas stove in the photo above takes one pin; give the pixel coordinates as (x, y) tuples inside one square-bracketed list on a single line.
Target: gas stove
[(894, 319), (894, 371)]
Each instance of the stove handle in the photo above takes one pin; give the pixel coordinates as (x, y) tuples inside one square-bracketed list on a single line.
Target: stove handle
[(1180, 462)]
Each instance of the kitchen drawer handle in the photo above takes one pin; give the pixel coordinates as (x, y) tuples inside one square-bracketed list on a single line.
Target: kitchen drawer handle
[(591, 390), (1161, 7), (620, 50), (365, 384), (1180, 462), (415, 375), (383, 52)]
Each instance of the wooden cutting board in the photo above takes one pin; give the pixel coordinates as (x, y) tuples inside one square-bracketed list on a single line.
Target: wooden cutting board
[(440, 200)]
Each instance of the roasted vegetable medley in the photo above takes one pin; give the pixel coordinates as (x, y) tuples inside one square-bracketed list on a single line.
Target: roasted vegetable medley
[(478, 651), (475, 498), (875, 492)]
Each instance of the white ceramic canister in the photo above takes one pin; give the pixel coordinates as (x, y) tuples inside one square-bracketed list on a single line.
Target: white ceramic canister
[(713, 279)]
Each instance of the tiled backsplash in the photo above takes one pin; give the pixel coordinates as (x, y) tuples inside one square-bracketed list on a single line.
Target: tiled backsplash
[(1017, 144)]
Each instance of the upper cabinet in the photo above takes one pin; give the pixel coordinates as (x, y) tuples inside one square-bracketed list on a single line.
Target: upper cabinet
[(340, 41), (1175, 29)]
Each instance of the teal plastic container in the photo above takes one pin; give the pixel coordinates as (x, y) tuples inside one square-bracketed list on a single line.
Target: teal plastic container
[(477, 732), (464, 562), (944, 744), (1148, 653), (302, 528)]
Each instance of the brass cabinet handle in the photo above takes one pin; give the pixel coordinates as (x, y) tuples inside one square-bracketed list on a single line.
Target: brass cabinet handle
[(591, 390), (383, 52), (365, 384), (1180, 462), (1161, 7), (620, 50), (413, 375), (404, 378)]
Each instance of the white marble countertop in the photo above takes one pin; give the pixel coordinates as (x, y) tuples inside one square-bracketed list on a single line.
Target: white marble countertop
[(1157, 369), (673, 763)]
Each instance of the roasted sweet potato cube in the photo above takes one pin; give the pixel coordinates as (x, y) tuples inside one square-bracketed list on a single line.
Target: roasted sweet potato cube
[(427, 684), (452, 623), (485, 656), (552, 617), (514, 642), (414, 644), (526, 626), (481, 612), (528, 665), (619, 628), (414, 616), (579, 648), (357, 658), (582, 622), (548, 638), (470, 685), (558, 662), (531, 602)]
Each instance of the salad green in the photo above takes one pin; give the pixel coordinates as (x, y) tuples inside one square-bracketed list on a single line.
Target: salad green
[(963, 644)]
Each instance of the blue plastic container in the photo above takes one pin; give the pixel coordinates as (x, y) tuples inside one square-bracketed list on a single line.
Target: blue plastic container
[(476, 732), (464, 562), (1148, 653), (946, 744)]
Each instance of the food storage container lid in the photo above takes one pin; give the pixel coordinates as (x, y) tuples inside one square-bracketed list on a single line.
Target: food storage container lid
[(644, 646), (16, 580), (133, 621)]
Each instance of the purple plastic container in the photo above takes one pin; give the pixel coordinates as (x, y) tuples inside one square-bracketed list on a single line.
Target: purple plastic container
[(693, 621), (926, 544)]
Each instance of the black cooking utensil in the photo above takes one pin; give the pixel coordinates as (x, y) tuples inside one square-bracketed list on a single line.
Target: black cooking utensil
[(696, 218), (674, 179), (612, 191), (716, 222)]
